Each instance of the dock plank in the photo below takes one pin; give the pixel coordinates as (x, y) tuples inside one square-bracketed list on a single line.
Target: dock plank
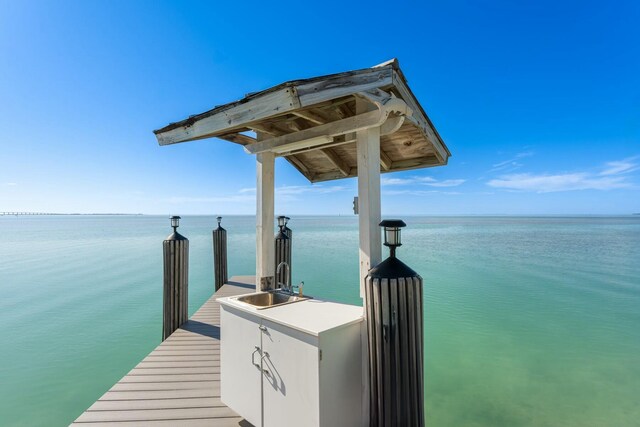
[(178, 383)]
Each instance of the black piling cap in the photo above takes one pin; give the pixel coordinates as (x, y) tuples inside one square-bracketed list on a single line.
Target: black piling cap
[(392, 223), (219, 219), (391, 268), (281, 234)]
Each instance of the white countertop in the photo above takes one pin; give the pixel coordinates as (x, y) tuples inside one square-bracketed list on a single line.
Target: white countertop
[(311, 316)]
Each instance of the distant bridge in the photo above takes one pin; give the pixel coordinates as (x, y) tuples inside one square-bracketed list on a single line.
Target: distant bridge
[(27, 213)]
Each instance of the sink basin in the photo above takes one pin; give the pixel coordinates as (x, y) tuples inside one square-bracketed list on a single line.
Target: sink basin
[(263, 300)]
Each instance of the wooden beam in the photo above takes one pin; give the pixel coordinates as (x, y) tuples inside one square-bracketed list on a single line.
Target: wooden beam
[(343, 111), (342, 166), (336, 142), (302, 168), (330, 176), (420, 162), (344, 84), (310, 116), (313, 136), (239, 138), (385, 161), (233, 116), (264, 128), (294, 126)]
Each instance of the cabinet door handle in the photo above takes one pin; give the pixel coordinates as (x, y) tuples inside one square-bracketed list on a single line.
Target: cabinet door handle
[(265, 354), (257, 349), (263, 328)]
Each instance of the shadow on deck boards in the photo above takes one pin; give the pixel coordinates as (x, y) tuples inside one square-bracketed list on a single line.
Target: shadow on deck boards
[(177, 384)]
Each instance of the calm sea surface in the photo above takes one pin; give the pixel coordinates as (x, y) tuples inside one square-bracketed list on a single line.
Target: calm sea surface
[(528, 321)]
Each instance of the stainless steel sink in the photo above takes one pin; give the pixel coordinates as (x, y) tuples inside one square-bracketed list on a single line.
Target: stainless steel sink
[(263, 300)]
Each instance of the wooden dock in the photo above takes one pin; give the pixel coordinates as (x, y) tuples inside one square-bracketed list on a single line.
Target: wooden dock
[(178, 383)]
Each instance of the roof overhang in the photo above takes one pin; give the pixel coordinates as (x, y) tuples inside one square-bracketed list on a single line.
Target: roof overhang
[(312, 123)]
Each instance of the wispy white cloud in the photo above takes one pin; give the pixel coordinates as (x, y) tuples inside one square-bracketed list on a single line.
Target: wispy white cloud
[(559, 182), (299, 189), (446, 183), (621, 166), (287, 192), (417, 192), (10, 184), (306, 189), (512, 163), (422, 180), (396, 181), (234, 198), (611, 178)]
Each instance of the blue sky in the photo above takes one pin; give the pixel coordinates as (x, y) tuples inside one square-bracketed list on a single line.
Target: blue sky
[(539, 102)]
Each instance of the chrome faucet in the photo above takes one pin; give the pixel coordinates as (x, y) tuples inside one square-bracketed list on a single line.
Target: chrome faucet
[(287, 284)]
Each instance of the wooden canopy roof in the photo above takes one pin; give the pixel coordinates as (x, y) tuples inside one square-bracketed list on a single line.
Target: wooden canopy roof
[(312, 123)]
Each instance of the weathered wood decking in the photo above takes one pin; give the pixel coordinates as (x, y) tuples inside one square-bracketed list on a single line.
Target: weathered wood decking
[(178, 383)]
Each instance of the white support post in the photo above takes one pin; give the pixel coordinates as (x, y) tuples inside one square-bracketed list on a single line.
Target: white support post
[(265, 243), (368, 152)]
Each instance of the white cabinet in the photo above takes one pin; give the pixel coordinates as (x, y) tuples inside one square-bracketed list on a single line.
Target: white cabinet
[(302, 378), (238, 381), (291, 381)]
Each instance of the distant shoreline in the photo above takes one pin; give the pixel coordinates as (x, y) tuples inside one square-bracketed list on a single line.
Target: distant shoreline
[(65, 214)]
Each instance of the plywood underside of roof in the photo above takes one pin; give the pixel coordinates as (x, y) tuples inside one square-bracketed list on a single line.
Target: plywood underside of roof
[(407, 148)]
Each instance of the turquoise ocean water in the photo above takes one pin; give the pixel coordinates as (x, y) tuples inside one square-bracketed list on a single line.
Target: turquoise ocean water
[(528, 321)]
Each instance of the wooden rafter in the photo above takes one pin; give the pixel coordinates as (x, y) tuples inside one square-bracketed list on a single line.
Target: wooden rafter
[(264, 128), (239, 138), (311, 116), (337, 161), (385, 161)]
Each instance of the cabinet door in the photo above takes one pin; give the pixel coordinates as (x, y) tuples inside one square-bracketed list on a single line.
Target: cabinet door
[(240, 377), (290, 377)]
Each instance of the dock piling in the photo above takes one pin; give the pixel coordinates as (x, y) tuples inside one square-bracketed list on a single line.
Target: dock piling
[(393, 301), (175, 250), (220, 255)]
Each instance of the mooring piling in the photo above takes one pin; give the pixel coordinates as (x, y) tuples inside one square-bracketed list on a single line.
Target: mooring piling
[(283, 242), (175, 250), (394, 329), (220, 255)]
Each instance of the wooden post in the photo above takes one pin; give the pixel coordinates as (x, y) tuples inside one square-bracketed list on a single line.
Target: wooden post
[(176, 280), (368, 152), (265, 243), (220, 255)]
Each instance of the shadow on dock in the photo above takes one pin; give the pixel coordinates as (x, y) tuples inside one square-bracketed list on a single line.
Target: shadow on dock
[(242, 285), (212, 331), (178, 383)]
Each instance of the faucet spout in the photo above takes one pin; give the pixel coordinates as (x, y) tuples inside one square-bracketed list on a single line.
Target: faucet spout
[(287, 284)]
